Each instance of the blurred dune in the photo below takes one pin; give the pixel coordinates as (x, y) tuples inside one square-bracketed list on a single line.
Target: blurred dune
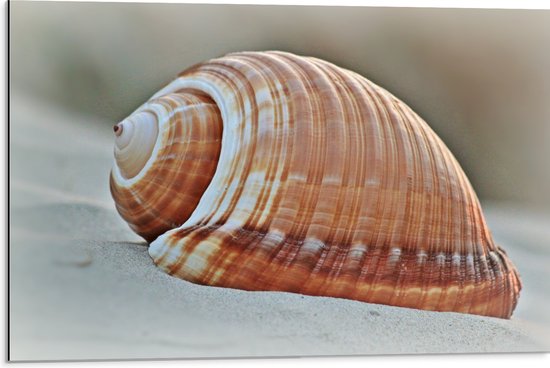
[(478, 77)]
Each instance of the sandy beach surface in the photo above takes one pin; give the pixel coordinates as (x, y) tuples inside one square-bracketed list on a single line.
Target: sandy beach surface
[(82, 285)]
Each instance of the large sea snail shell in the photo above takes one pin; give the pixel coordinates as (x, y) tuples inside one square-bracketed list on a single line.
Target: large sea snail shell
[(271, 171)]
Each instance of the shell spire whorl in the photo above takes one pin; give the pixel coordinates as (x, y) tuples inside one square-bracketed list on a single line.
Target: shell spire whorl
[(165, 156), (135, 139), (320, 183)]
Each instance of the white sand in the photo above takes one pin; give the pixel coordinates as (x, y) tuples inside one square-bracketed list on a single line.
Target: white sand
[(82, 285)]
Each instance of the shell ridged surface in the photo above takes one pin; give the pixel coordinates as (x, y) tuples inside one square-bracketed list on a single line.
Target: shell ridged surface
[(305, 177)]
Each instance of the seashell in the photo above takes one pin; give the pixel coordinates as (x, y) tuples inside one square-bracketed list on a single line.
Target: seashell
[(271, 171)]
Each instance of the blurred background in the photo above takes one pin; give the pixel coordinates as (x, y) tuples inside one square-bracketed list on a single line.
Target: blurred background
[(480, 78)]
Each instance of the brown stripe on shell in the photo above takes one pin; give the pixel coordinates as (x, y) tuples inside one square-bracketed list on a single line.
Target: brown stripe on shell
[(326, 184)]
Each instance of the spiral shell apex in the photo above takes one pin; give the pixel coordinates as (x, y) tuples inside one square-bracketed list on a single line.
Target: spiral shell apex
[(271, 171)]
